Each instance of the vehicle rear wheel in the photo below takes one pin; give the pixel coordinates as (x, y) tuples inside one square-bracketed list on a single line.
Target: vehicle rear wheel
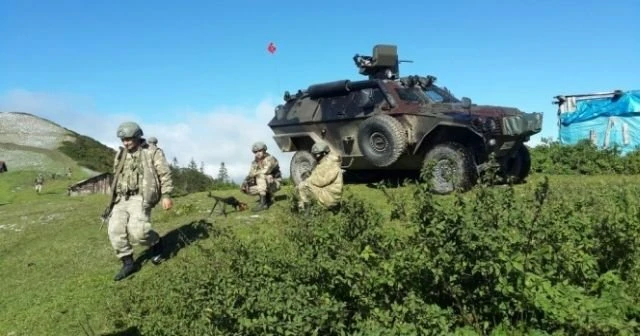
[(453, 167), (519, 167), (382, 140), (301, 165)]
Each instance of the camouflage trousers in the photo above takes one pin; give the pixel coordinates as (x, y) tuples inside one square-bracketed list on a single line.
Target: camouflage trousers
[(264, 185), (130, 224), (307, 192), (38, 187)]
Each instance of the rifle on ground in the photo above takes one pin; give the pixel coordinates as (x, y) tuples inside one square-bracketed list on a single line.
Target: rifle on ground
[(107, 211), (232, 201)]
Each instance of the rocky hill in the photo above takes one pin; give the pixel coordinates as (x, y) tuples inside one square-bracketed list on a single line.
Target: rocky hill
[(29, 142)]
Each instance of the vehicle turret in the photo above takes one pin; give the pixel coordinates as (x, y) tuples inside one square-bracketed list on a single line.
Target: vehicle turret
[(383, 64)]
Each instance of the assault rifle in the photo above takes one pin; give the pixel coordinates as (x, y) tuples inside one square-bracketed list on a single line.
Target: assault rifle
[(232, 201)]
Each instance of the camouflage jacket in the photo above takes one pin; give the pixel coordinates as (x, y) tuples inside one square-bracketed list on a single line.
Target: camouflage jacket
[(145, 171), (327, 174), (267, 166)]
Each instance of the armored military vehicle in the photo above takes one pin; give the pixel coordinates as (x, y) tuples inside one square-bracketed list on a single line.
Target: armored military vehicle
[(387, 125)]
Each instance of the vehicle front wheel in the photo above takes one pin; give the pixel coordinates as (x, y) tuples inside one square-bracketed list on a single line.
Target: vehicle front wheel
[(451, 167), (519, 167), (302, 163)]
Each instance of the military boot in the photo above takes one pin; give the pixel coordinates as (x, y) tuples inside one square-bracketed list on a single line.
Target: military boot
[(156, 252), (263, 204), (128, 268)]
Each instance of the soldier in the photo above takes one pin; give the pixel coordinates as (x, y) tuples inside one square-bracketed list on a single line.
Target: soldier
[(325, 182), (153, 142), (38, 183), (264, 176), (137, 192)]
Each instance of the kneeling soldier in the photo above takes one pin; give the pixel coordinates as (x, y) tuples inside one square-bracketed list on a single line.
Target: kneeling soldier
[(325, 182)]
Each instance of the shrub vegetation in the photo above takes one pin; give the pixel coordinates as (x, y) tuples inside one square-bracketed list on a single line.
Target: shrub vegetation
[(546, 260)]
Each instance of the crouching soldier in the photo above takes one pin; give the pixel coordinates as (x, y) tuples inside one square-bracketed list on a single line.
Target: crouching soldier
[(264, 176), (142, 179), (325, 182)]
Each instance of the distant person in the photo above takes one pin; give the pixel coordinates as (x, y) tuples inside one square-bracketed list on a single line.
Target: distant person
[(264, 176), (137, 194), (39, 182), (153, 142), (69, 172), (325, 182)]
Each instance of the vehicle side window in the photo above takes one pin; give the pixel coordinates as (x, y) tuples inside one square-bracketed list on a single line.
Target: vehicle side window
[(368, 99), (335, 107)]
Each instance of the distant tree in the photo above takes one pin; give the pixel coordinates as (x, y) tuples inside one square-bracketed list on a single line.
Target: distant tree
[(174, 163), (223, 174), (202, 167), (193, 165)]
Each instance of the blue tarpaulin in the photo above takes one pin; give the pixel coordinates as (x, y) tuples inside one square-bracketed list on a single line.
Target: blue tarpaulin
[(607, 121)]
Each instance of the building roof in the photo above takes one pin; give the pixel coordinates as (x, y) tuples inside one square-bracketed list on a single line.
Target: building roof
[(92, 178)]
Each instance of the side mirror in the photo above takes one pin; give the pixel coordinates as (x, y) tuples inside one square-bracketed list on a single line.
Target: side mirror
[(466, 102)]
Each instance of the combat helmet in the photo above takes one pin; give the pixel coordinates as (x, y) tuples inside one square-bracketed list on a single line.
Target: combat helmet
[(258, 146), (320, 147), (129, 129), (152, 140)]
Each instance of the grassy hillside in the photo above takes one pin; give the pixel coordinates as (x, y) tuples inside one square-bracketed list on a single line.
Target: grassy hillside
[(31, 143), (549, 257), (275, 270)]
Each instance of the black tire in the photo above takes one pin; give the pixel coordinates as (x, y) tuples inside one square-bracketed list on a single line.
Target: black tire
[(382, 140), (302, 162), (519, 167), (460, 159)]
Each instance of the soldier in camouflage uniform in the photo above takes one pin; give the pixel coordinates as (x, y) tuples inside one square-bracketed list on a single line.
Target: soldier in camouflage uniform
[(153, 142), (325, 182), (38, 183), (145, 179), (264, 176)]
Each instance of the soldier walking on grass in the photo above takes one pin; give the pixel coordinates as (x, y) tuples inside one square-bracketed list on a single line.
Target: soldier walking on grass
[(39, 182), (142, 179)]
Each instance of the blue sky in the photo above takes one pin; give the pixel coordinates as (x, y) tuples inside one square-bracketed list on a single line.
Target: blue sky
[(156, 60)]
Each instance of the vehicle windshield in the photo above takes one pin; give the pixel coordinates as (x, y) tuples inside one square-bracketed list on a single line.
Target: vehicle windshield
[(439, 95)]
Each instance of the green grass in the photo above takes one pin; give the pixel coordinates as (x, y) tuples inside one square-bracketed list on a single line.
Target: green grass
[(58, 266)]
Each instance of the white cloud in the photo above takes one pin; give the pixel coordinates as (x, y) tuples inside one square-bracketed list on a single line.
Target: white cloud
[(222, 134)]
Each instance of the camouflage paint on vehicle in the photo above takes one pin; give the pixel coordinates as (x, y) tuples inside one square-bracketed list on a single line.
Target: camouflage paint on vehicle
[(391, 123)]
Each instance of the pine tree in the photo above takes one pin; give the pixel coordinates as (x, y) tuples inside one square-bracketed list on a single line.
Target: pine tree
[(193, 165), (223, 174), (202, 167), (175, 162)]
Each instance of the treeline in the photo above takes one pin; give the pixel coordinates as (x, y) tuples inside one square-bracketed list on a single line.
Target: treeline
[(89, 153), (192, 178), (583, 158)]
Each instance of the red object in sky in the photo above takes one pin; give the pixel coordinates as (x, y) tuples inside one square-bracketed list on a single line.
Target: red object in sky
[(271, 48)]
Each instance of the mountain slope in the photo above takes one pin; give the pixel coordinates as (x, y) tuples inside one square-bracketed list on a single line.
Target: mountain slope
[(29, 142)]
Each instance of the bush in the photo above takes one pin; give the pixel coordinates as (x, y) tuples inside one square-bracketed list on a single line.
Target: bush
[(583, 158), (489, 261)]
